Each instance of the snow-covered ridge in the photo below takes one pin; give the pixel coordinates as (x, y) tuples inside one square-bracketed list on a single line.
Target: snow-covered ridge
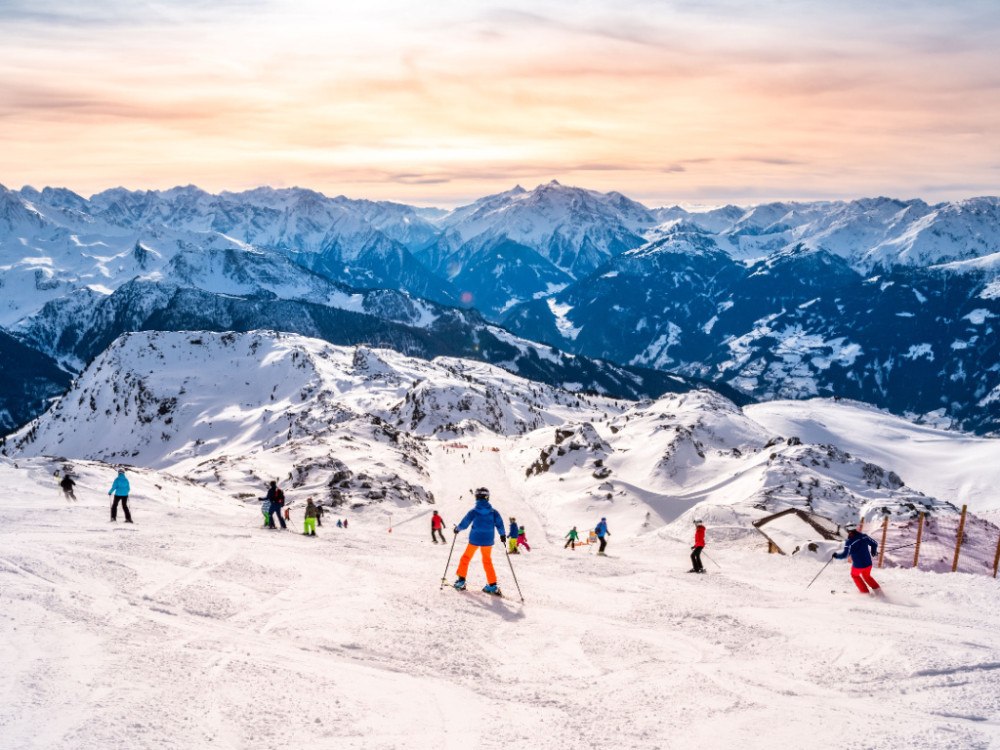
[(361, 426)]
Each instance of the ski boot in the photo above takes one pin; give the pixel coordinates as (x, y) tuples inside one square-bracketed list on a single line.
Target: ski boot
[(459, 584), (492, 588)]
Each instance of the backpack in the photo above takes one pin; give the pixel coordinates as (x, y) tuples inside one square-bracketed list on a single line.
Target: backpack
[(280, 497)]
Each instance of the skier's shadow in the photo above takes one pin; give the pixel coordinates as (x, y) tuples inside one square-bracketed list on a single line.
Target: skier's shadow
[(506, 609)]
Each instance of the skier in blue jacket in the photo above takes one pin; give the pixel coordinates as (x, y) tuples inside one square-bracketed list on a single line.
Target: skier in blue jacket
[(860, 548), (602, 531), (120, 490), (484, 519), (513, 534)]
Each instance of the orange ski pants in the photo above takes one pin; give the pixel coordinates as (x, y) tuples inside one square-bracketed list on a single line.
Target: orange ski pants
[(487, 554)]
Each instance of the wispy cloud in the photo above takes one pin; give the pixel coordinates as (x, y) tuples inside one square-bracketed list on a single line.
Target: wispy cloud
[(391, 99)]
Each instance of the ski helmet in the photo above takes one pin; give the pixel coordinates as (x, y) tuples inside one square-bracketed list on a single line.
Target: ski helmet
[(482, 494), (851, 527), (698, 522)]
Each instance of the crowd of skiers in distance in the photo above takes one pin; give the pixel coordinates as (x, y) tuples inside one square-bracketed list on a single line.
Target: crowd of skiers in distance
[(484, 519), (274, 505)]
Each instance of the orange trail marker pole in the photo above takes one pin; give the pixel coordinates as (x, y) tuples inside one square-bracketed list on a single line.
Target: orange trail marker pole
[(885, 528), (920, 533)]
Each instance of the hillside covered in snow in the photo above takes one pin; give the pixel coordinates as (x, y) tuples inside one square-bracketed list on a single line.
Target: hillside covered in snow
[(174, 631)]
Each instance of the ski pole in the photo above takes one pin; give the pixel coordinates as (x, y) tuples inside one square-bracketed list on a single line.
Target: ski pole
[(507, 553), (820, 572), (902, 546), (444, 578), (713, 561)]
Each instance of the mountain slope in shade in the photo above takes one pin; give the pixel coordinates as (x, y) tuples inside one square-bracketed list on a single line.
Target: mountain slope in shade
[(29, 381), (797, 324)]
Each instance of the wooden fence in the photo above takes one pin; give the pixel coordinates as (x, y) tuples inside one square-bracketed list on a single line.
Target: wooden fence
[(956, 543)]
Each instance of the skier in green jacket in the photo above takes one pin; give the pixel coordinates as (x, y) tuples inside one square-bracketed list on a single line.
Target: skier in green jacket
[(572, 536)]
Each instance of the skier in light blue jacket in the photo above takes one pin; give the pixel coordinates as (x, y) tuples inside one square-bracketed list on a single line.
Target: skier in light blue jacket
[(120, 490)]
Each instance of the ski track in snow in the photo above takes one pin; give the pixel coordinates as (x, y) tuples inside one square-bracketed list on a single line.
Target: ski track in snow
[(198, 628)]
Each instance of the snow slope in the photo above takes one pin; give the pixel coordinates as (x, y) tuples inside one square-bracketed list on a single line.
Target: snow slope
[(963, 468), (196, 628)]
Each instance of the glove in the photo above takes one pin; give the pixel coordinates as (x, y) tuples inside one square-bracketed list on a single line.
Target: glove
[(503, 539), (692, 548), (834, 557), (455, 529)]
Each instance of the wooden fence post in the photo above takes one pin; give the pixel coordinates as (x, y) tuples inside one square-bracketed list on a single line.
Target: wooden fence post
[(996, 559), (958, 541), (920, 533), (885, 528)]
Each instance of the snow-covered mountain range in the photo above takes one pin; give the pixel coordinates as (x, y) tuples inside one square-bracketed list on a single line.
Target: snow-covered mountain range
[(884, 301)]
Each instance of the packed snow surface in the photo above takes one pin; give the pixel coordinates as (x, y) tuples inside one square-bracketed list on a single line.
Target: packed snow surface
[(195, 627)]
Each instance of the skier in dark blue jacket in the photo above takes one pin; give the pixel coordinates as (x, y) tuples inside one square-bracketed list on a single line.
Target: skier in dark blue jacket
[(484, 519), (860, 548), (274, 500)]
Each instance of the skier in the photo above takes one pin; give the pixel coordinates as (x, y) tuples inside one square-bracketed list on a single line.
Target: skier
[(860, 547), (522, 540), (602, 531), (512, 536), (483, 518), (274, 505), (340, 524), (699, 545), (67, 487), (120, 489), (571, 537), (437, 524), (345, 523), (319, 514), (310, 519)]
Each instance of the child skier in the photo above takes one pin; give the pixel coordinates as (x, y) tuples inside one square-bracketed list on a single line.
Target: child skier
[(512, 537), (602, 531), (699, 545), (310, 520), (484, 519), (571, 537), (522, 540), (860, 547)]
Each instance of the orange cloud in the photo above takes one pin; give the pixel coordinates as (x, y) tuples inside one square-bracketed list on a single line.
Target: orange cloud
[(660, 101)]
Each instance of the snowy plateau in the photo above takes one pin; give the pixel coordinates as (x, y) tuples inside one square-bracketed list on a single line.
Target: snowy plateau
[(195, 627)]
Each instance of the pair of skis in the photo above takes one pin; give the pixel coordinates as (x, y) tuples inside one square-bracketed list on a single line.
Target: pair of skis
[(444, 578)]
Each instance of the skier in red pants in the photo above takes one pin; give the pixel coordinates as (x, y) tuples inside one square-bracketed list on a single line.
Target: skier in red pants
[(860, 547)]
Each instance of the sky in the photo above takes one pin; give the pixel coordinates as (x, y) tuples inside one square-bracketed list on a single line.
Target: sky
[(440, 103)]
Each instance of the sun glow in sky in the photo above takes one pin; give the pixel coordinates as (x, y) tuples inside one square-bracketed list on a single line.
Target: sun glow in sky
[(440, 103)]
